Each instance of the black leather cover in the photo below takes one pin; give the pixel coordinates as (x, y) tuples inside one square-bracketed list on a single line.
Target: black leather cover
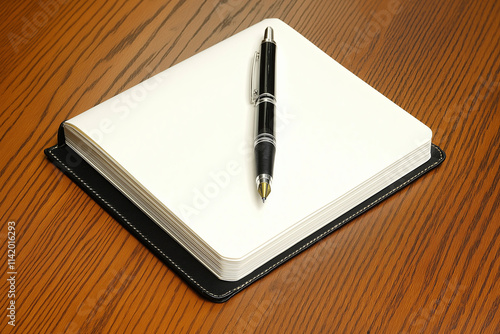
[(174, 255)]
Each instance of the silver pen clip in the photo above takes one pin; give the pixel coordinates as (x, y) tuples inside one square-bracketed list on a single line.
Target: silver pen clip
[(254, 93)]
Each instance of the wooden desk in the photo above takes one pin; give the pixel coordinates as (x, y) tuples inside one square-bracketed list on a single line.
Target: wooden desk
[(425, 260)]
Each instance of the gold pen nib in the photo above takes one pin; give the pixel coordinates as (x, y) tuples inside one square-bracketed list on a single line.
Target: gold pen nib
[(264, 190)]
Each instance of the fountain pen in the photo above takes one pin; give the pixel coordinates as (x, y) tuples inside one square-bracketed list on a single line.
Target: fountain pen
[(263, 96)]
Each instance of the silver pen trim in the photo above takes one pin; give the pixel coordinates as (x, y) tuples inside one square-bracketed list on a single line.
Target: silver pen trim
[(264, 178), (264, 138)]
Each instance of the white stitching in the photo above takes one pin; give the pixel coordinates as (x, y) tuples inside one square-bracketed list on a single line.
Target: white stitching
[(264, 272)]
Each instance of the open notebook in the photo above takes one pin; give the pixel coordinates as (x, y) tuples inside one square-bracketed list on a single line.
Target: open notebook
[(179, 149)]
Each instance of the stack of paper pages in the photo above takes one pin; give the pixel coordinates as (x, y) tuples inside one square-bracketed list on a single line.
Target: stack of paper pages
[(180, 146)]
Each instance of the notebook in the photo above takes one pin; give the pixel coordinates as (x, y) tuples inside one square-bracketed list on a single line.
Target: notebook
[(172, 158)]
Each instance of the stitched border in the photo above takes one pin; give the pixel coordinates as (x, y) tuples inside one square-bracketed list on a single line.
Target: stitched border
[(265, 271)]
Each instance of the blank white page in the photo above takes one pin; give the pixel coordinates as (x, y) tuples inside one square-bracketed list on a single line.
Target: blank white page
[(187, 136)]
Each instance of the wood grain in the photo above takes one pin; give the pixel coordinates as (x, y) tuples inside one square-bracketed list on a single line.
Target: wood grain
[(426, 260)]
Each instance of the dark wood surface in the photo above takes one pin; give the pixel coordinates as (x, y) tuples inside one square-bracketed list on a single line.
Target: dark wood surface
[(426, 260)]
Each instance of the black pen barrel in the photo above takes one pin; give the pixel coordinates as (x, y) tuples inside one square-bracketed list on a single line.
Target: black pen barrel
[(267, 68)]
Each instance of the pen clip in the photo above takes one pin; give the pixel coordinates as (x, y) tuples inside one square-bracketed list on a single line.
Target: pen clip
[(254, 93)]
